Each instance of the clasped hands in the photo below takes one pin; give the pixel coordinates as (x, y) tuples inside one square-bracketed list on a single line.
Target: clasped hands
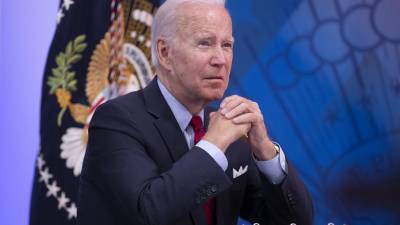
[(238, 117)]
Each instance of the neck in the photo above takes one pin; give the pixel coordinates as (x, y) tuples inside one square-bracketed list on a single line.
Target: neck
[(194, 106), (194, 109)]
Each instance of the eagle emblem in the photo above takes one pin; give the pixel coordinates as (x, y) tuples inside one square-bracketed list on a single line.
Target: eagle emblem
[(119, 65)]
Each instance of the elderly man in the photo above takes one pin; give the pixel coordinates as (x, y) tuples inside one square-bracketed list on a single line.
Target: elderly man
[(151, 161)]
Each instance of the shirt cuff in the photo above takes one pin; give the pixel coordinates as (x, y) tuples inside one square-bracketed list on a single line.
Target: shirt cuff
[(274, 169), (214, 152)]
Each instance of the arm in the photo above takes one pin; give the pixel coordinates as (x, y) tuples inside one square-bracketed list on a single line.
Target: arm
[(118, 166), (282, 203)]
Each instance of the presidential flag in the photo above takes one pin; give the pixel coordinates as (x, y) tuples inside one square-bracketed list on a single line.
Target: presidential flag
[(100, 50)]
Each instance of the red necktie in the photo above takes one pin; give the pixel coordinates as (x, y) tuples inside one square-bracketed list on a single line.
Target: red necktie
[(197, 125)]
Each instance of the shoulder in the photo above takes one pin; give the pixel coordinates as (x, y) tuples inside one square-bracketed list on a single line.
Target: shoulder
[(120, 111), (127, 103)]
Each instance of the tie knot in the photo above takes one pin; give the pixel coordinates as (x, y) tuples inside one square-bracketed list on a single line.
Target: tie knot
[(196, 123)]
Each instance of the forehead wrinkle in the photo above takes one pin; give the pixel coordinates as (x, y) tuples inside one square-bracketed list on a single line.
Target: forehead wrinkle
[(192, 20)]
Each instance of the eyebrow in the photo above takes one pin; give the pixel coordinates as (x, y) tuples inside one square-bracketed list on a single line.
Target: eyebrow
[(201, 36)]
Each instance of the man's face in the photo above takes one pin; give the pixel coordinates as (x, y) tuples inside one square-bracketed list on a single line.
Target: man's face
[(201, 56)]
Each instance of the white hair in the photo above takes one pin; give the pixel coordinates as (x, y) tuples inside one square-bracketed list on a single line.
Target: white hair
[(164, 23)]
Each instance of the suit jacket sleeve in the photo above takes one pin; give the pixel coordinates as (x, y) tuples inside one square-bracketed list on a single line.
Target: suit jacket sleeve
[(118, 168), (281, 204), (121, 182)]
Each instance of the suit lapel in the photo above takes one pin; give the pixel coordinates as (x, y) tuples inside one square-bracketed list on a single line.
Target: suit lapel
[(165, 121), (170, 132)]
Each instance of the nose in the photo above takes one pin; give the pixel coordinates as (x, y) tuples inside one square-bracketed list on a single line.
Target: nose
[(218, 58)]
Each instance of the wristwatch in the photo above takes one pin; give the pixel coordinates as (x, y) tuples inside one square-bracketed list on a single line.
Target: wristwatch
[(277, 147)]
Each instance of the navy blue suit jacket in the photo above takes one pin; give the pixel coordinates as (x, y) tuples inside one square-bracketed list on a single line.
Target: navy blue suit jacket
[(138, 170)]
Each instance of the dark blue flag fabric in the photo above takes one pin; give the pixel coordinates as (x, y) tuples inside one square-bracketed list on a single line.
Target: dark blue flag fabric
[(326, 74), (100, 50)]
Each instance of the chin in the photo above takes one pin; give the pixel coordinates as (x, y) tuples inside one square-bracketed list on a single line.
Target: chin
[(214, 95)]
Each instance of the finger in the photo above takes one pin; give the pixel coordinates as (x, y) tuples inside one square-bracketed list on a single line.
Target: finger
[(240, 109), (233, 103), (246, 128), (246, 118), (255, 107), (212, 113), (226, 100)]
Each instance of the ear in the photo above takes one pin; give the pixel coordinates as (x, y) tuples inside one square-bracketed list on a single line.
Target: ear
[(164, 53)]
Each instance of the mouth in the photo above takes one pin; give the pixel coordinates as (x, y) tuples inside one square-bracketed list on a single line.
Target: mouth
[(214, 78)]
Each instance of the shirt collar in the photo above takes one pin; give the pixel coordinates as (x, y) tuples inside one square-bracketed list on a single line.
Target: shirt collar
[(181, 114)]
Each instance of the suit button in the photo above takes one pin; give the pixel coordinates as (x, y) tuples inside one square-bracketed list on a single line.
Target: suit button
[(209, 192), (214, 188), (198, 200)]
